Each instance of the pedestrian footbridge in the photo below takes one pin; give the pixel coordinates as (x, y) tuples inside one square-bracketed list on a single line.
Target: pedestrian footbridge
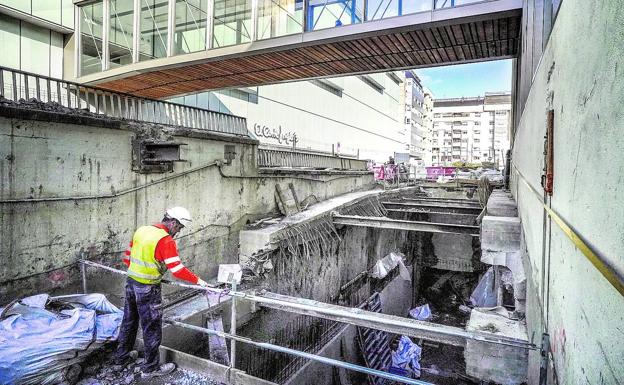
[(163, 48)]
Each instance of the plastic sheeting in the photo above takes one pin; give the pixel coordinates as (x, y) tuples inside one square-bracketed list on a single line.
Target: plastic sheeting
[(407, 357), (37, 343), (421, 313), (484, 295), (388, 263)]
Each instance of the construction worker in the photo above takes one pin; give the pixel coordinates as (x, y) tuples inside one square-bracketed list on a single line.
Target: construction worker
[(152, 251)]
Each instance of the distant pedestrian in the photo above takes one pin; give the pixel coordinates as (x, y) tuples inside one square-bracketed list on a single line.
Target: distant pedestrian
[(151, 252)]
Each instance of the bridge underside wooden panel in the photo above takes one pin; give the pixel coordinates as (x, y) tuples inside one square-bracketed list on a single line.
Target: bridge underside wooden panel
[(422, 47)]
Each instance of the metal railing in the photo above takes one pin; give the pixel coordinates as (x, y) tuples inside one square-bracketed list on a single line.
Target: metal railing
[(16, 85), (353, 316), (277, 157)]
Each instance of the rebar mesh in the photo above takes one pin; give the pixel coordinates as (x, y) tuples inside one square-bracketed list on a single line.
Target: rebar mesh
[(368, 207)]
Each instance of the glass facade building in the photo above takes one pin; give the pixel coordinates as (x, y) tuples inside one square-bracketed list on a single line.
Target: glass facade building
[(59, 12), (31, 48), (139, 30)]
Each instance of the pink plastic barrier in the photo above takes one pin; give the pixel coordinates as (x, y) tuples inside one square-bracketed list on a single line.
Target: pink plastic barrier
[(435, 172), (385, 172)]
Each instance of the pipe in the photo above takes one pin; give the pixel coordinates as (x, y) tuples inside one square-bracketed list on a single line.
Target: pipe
[(314, 357), (233, 329), (113, 195), (391, 324)]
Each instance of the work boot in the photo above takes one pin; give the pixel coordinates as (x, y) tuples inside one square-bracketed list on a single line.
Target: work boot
[(132, 356), (162, 371)]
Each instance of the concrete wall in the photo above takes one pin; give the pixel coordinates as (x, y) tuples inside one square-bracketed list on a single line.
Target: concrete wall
[(580, 78), (52, 155)]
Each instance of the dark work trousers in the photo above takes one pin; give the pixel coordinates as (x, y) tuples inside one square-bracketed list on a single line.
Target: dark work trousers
[(144, 303)]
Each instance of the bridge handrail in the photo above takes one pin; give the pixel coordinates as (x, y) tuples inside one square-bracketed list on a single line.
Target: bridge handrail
[(17, 84)]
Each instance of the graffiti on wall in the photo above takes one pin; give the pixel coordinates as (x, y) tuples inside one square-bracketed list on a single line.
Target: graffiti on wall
[(282, 137)]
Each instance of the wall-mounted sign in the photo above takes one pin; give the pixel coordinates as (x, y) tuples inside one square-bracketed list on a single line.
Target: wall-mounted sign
[(282, 137)]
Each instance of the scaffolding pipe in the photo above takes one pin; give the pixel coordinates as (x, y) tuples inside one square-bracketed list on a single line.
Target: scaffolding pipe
[(309, 356), (233, 329), (388, 323)]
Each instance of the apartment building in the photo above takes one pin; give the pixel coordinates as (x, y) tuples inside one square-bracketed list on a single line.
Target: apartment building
[(413, 119), (472, 130)]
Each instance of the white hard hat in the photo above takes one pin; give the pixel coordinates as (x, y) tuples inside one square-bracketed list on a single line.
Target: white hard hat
[(181, 214)]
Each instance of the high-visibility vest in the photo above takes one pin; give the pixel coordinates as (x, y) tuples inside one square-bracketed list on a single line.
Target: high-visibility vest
[(144, 267)]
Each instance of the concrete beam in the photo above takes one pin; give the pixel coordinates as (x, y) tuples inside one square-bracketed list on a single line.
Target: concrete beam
[(354, 316), (400, 224), (450, 208), (442, 213), (389, 323), (445, 201)]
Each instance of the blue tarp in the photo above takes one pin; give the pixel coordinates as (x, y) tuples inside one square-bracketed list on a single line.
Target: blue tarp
[(37, 344), (406, 359), (421, 313)]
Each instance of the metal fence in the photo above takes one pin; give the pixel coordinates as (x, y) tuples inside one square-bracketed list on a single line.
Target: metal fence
[(273, 157), (16, 85)]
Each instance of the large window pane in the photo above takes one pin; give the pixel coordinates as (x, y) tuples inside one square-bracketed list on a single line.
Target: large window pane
[(279, 18), (91, 17), (67, 13), (453, 3), (10, 42), (190, 26), (120, 32), (232, 22), (381, 9), (56, 55), (35, 49), (334, 13), (47, 9), (20, 5), (154, 17)]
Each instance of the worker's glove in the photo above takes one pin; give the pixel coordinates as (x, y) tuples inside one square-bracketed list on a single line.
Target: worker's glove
[(202, 283)]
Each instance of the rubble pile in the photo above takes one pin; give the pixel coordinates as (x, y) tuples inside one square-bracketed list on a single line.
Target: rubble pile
[(98, 370)]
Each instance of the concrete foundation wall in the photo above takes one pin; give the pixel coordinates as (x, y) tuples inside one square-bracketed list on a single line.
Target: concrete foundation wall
[(580, 78), (60, 155)]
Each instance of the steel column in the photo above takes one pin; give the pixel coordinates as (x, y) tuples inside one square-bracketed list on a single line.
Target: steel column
[(136, 31), (209, 24), (105, 35), (77, 41), (233, 329), (170, 27)]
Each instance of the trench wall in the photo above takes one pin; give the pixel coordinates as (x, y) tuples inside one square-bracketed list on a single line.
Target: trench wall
[(580, 77), (51, 155)]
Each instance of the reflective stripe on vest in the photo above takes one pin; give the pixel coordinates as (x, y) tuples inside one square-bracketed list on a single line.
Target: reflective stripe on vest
[(144, 267)]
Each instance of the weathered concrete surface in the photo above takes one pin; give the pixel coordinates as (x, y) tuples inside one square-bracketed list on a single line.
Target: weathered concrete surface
[(491, 362), (500, 234), (580, 78), (501, 204), (55, 159)]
